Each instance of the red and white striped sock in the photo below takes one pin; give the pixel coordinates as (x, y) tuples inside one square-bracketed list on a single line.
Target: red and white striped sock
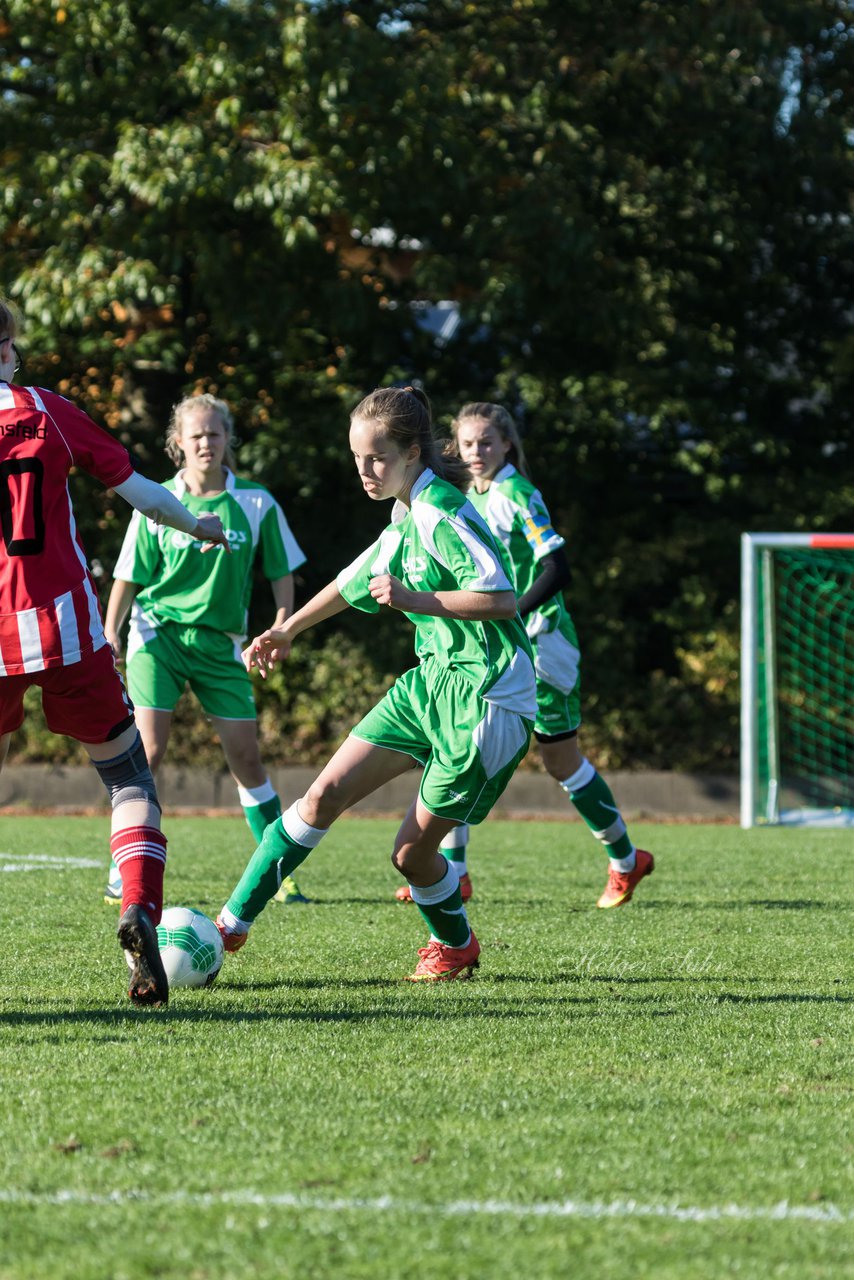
[(140, 855)]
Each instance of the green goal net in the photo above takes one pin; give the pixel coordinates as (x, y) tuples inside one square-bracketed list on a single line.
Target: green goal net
[(797, 679)]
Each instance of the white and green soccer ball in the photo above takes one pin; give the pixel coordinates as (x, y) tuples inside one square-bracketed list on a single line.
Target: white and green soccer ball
[(190, 947)]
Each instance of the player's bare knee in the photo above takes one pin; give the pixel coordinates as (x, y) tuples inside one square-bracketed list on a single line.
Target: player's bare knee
[(398, 859), (128, 778), (321, 804), (408, 857)]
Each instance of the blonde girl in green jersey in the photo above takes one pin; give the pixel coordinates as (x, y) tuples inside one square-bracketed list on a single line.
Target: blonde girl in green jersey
[(464, 714), (188, 610), (488, 442)]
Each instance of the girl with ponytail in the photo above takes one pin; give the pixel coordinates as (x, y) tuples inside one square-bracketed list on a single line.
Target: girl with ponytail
[(488, 441), (464, 714)]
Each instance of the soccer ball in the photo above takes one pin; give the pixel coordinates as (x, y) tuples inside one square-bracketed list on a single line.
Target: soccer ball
[(190, 947)]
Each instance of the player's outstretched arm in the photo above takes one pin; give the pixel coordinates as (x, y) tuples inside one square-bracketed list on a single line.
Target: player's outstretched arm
[(274, 645), (469, 606), (122, 595), (283, 594), (161, 506)]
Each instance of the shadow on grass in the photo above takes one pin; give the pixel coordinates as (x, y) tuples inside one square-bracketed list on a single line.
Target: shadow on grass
[(742, 904), (571, 907), (783, 997), (118, 1017), (355, 900)]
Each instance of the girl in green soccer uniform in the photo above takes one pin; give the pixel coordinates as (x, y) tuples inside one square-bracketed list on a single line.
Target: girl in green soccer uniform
[(513, 507), (464, 713), (189, 608)]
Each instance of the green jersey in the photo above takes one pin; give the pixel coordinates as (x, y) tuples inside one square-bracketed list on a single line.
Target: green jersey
[(513, 508), (440, 543), (180, 584)]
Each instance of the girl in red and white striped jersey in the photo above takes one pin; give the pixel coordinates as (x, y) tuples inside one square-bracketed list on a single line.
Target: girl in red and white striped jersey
[(52, 635)]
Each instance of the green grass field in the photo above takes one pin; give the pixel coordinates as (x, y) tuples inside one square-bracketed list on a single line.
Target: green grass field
[(663, 1090)]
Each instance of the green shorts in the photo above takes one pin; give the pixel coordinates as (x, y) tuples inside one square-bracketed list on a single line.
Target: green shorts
[(163, 660), (469, 747), (557, 663)]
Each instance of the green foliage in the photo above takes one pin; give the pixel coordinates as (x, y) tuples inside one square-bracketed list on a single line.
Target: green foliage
[(315, 700), (642, 210)]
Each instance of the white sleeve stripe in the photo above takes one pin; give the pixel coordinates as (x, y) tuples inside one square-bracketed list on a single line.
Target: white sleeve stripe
[(293, 551), (381, 551), (490, 573)]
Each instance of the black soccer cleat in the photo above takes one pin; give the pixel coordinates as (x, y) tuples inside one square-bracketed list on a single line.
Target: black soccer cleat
[(138, 939)]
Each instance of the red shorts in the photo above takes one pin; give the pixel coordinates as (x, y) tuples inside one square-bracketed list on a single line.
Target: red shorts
[(86, 701)]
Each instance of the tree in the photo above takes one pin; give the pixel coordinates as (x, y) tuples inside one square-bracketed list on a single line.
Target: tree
[(642, 211)]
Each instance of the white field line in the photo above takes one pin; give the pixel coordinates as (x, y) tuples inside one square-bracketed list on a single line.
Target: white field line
[(41, 861), (781, 1212)]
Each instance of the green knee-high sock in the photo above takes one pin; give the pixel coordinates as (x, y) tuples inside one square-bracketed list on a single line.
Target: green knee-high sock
[(261, 806), (285, 844), (455, 845), (441, 905), (593, 799)]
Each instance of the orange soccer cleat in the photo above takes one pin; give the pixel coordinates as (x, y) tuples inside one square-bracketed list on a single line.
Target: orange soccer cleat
[(441, 963), (231, 941), (621, 884), (404, 893)]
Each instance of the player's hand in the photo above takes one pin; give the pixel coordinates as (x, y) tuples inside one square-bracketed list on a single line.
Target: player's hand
[(266, 650), (209, 529), (114, 642), (388, 590)]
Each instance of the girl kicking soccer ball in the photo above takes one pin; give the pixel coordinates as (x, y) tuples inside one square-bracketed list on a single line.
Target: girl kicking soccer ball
[(513, 507), (464, 713)]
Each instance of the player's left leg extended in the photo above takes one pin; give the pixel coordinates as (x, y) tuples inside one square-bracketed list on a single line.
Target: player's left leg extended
[(356, 770), (258, 797)]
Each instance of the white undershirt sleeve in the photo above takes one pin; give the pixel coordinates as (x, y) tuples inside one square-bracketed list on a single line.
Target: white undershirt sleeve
[(157, 503)]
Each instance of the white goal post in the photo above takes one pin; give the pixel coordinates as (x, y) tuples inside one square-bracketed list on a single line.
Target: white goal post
[(797, 679)]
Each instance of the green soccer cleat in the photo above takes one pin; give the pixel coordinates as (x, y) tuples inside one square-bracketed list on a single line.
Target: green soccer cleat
[(289, 893), (113, 895)]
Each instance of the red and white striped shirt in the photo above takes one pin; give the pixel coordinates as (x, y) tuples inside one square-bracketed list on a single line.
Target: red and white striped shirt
[(50, 615)]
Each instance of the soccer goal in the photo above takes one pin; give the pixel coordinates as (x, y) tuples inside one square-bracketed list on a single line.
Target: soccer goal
[(797, 679)]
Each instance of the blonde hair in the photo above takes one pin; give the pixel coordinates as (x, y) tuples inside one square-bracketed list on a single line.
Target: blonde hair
[(191, 404), (8, 320), (406, 418), (496, 416)]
